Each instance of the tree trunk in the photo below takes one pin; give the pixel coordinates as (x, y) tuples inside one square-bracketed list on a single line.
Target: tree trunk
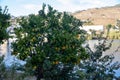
[(39, 73)]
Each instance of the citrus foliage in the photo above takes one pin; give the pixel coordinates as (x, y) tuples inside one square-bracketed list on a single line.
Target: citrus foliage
[(51, 43), (4, 17)]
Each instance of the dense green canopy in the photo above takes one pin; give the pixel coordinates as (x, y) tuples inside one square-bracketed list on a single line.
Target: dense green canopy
[(48, 41), (4, 23)]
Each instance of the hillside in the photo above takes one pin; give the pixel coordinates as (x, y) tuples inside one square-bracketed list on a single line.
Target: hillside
[(100, 16)]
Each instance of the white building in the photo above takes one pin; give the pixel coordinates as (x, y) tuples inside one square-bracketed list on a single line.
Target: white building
[(3, 48), (6, 49), (93, 27)]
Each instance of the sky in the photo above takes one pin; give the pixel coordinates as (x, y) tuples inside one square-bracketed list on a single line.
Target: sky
[(26, 7)]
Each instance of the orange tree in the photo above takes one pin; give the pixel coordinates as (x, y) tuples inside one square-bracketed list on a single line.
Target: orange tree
[(4, 17), (51, 43)]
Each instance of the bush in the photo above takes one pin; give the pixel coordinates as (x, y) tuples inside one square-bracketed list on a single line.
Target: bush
[(97, 66), (2, 69)]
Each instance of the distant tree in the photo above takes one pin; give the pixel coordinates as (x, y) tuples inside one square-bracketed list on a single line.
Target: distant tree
[(93, 33), (4, 23), (108, 27), (51, 43), (118, 24)]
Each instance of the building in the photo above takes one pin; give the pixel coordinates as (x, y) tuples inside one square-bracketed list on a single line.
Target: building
[(97, 28)]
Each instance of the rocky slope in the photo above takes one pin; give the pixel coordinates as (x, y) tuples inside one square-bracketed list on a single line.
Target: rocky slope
[(100, 16)]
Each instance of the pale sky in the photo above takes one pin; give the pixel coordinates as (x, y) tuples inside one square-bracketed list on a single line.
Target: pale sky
[(25, 7)]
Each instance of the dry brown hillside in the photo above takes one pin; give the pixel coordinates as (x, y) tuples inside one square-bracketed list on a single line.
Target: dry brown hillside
[(100, 16)]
